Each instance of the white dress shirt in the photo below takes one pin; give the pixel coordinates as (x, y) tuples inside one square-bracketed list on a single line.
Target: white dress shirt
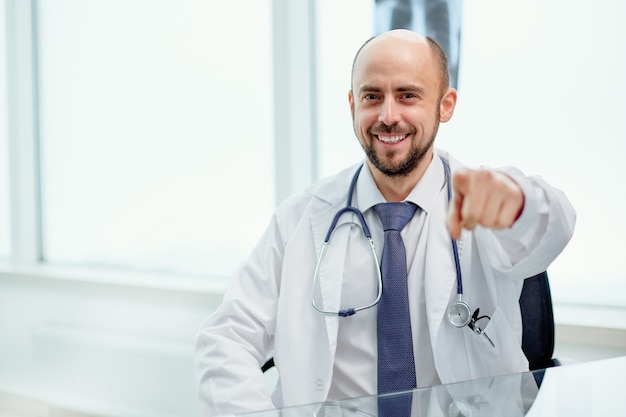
[(353, 373)]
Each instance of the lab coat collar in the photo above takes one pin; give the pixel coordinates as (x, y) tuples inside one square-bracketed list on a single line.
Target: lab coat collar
[(330, 277)]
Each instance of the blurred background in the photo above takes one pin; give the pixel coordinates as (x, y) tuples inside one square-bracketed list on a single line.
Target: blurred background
[(145, 143)]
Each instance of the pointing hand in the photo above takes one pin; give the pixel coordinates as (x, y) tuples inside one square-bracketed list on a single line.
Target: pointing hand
[(483, 198)]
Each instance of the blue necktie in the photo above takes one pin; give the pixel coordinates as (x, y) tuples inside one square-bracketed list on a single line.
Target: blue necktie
[(396, 364)]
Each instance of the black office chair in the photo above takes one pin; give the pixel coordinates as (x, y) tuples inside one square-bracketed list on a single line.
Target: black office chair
[(537, 321)]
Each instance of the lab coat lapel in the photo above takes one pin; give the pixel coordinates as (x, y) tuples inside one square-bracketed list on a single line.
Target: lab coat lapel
[(440, 272), (440, 290), (331, 270)]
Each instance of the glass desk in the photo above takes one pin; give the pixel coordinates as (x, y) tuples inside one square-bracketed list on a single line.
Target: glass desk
[(582, 389)]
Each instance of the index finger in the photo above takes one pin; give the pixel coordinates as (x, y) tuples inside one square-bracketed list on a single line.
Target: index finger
[(455, 216)]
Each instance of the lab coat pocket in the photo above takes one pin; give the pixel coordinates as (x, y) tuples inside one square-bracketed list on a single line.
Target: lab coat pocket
[(505, 356)]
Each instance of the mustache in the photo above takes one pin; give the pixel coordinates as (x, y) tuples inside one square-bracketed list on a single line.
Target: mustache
[(390, 129)]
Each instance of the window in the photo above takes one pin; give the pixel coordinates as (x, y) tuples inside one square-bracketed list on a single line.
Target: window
[(138, 128), (155, 132)]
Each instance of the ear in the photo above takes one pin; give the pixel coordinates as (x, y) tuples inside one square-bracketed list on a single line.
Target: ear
[(447, 105), (351, 101)]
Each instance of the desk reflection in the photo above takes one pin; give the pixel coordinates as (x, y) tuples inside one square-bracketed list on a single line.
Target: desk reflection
[(582, 389)]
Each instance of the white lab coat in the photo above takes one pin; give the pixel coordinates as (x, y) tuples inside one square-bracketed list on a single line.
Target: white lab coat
[(267, 309)]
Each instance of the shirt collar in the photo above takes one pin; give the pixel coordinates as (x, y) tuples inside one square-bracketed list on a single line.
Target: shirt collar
[(424, 194)]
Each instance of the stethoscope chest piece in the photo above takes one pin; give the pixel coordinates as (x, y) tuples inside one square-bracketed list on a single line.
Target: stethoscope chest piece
[(459, 313)]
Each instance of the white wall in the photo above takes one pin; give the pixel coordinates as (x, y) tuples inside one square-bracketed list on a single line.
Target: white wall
[(104, 349)]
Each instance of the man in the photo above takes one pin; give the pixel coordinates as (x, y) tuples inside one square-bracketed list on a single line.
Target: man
[(506, 227)]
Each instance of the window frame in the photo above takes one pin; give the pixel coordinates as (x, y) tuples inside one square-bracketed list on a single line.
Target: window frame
[(23, 144)]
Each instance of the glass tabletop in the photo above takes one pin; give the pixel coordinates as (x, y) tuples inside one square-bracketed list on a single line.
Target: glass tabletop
[(581, 389)]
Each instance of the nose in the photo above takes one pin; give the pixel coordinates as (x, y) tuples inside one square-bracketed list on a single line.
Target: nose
[(389, 112)]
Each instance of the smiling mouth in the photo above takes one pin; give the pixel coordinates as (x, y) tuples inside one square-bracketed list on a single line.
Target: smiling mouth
[(391, 139)]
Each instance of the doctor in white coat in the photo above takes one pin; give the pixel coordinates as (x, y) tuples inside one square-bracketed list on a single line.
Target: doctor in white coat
[(507, 227)]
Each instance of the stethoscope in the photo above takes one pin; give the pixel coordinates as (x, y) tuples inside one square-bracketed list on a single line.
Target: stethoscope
[(459, 312)]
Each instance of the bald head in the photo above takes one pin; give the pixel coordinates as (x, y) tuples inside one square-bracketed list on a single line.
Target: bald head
[(401, 41)]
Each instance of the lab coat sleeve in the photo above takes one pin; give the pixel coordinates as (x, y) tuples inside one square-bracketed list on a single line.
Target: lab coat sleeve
[(234, 342), (537, 237)]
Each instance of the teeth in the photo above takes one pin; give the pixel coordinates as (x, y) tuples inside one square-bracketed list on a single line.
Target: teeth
[(391, 139)]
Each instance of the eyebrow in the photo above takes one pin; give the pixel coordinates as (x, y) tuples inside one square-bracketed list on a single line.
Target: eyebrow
[(401, 89)]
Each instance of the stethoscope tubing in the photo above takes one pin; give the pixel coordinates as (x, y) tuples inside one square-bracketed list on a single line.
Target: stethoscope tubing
[(455, 248), (349, 208)]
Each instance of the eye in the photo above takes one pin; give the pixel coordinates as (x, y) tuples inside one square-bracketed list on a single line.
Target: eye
[(409, 95), (370, 97)]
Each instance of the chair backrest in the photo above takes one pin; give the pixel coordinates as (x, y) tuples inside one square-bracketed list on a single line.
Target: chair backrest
[(537, 321)]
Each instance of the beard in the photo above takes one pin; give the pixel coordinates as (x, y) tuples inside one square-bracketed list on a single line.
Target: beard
[(383, 162)]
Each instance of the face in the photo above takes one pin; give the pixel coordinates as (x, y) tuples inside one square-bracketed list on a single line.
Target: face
[(396, 103)]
